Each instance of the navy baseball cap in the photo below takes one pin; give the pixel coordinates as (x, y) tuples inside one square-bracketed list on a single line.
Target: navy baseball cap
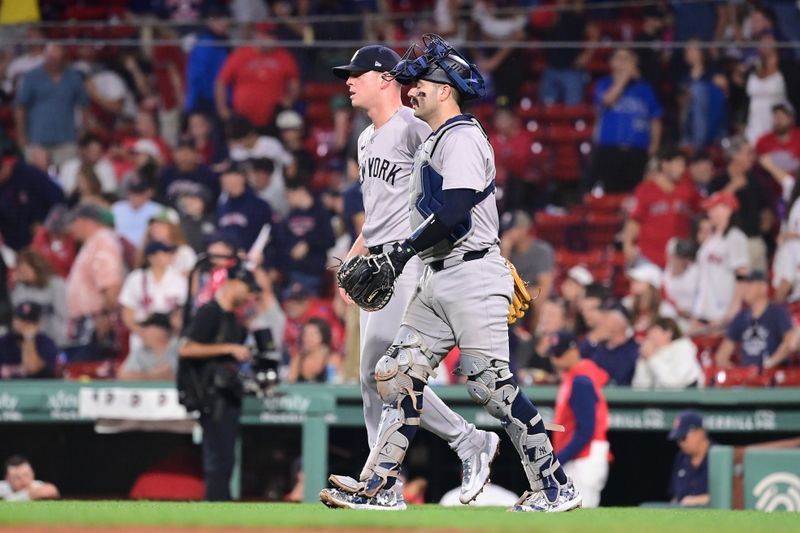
[(160, 320), (561, 342), (243, 274), (684, 423), (295, 291), (373, 57), (153, 247), (615, 306)]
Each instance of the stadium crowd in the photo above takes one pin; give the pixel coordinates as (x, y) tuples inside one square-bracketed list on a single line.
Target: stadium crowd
[(649, 191)]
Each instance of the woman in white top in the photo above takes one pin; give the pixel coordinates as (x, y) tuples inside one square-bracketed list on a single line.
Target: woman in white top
[(765, 88), (786, 265), (644, 299), (722, 257), (166, 228), (156, 288), (667, 360)]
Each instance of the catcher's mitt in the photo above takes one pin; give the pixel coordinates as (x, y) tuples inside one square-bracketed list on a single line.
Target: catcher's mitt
[(522, 298), (368, 280)]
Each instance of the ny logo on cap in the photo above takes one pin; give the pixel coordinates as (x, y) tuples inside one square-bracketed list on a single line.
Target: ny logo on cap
[(378, 64)]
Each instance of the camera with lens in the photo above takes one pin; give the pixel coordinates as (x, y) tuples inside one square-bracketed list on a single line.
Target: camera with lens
[(261, 376)]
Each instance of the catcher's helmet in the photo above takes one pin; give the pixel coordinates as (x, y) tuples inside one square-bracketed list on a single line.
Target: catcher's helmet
[(441, 63)]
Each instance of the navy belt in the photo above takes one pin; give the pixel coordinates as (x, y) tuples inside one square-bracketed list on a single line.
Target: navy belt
[(442, 264), (380, 248)]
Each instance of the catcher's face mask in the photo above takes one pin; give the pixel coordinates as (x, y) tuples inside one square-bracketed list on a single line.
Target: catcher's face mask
[(441, 63)]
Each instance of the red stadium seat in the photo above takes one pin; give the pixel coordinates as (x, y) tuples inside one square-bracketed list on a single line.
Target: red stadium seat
[(602, 230), (749, 376), (706, 348), (558, 230), (322, 92), (608, 204), (787, 377), (106, 369)]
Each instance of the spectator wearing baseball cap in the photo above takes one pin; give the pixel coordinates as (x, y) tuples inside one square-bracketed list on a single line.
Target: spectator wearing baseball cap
[(582, 449), (93, 284), (681, 278), (165, 227), (132, 214), (157, 356), (157, 287), (35, 281), (722, 256), (186, 171), (291, 128), (644, 298), (667, 359), (754, 204), (701, 171), (689, 480), (616, 351), (26, 352), (762, 331), (779, 150), (240, 211), (196, 221), (299, 246)]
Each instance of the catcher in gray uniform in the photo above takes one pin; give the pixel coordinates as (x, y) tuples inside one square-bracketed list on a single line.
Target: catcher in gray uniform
[(385, 155), (463, 296)]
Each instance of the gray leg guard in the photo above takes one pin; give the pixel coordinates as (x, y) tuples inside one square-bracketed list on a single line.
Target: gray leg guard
[(490, 383), (401, 376)]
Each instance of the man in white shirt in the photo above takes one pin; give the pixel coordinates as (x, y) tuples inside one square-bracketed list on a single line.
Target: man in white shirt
[(91, 153), (246, 144), (20, 485)]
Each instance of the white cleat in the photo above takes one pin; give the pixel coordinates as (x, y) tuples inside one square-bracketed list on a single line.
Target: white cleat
[(385, 500), (568, 498), (475, 470)]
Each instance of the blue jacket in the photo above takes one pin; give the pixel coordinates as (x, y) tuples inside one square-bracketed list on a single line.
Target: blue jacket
[(311, 225), (25, 199), (204, 63), (244, 216)]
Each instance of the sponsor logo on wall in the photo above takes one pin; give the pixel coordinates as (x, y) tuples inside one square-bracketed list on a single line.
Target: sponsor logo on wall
[(779, 491)]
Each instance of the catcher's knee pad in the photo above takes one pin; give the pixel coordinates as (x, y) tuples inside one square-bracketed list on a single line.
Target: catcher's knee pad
[(404, 370), (487, 382), (491, 384), (400, 376)]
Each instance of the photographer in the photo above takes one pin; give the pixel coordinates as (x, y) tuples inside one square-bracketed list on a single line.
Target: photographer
[(208, 375)]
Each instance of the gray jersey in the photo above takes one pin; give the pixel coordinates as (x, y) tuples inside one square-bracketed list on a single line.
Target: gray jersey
[(457, 156), (385, 157)]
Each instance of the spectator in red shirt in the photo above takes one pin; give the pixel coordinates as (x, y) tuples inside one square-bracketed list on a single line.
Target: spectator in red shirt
[(300, 307), (262, 78), (516, 173), (663, 208), (779, 150)]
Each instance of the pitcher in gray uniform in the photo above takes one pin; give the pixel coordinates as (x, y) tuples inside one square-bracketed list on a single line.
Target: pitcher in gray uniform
[(386, 151), (463, 296)]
